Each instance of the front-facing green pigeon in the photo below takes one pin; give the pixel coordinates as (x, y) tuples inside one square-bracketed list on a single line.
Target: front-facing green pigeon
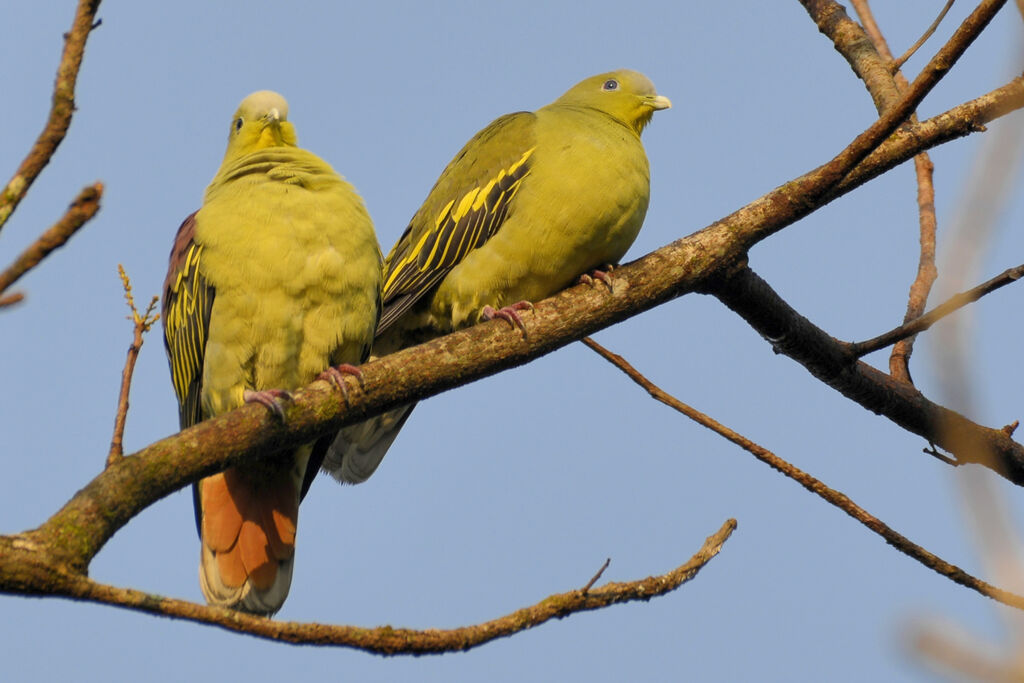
[(274, 282), (530, 204)]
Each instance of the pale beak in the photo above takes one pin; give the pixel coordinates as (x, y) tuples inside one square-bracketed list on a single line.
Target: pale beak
[(659, 102)]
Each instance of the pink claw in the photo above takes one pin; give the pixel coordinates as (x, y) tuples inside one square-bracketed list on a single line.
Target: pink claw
[(335, 374), (602, 275), (270, 398), (508, 313)]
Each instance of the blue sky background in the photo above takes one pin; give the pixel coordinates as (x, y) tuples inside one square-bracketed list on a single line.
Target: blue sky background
[(503, 492)]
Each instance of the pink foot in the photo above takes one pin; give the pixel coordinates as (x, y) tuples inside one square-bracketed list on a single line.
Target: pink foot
[(335, 374), (508, 313), (602, 275), (270, 398)]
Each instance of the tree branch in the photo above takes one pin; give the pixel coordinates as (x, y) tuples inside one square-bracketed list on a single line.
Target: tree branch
[(921, 287), (829, 175), (11, 299), (141, 325), (61, 110), (885, 88), (922, 323), (815, 486), (831, 361), (85, 206), (857, 48), (898, 63), (386, 640)]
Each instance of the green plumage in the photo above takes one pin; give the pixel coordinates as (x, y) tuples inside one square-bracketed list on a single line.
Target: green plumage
[(274, 279), (528, 205)]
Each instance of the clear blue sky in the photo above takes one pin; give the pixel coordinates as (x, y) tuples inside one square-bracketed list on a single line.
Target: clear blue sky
[(519, 486)]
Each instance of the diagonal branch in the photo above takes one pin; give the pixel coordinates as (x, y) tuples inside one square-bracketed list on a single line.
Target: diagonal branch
[(933, 316), (857, 48), (815, 486), (11, 299), (900, 111), (85, 206), (61, 110), (898, 63), (831, 361), (386, 640)]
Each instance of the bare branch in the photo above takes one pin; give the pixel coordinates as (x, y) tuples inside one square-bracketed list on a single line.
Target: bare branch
[(867, 20), (874, 68), (142, 324), (85, 206), (831, 361), (830, 175), (921, 287), (797, 198), (898, 64), (386, 640), (595, 577), (922, 323), (61, 110), (831, 496), (860, 52), (11, 299)]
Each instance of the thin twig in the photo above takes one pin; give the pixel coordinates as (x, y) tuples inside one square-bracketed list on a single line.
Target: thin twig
[(921, 324), (386, 640), (596, 576), (898, 64), (11, 299), (61, 110), (833, 497), (85, 206), (917, 298), (142, 324)]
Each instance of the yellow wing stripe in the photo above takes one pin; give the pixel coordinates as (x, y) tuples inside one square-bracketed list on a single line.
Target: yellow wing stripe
[(186, 332), (457, 230)]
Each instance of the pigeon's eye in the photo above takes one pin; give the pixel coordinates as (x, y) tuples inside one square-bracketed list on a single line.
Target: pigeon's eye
[(238, 124), (610, 84)]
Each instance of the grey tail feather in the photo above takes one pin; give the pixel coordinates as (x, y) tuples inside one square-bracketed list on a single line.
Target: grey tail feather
[(358, 449), (245, 598)]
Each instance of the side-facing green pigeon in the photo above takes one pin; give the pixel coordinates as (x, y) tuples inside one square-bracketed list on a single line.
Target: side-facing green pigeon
[(274, 282), (531, 203)]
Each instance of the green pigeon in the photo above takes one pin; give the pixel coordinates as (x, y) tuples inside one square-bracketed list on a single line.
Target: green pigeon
[(530, 204), (273, 283)]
